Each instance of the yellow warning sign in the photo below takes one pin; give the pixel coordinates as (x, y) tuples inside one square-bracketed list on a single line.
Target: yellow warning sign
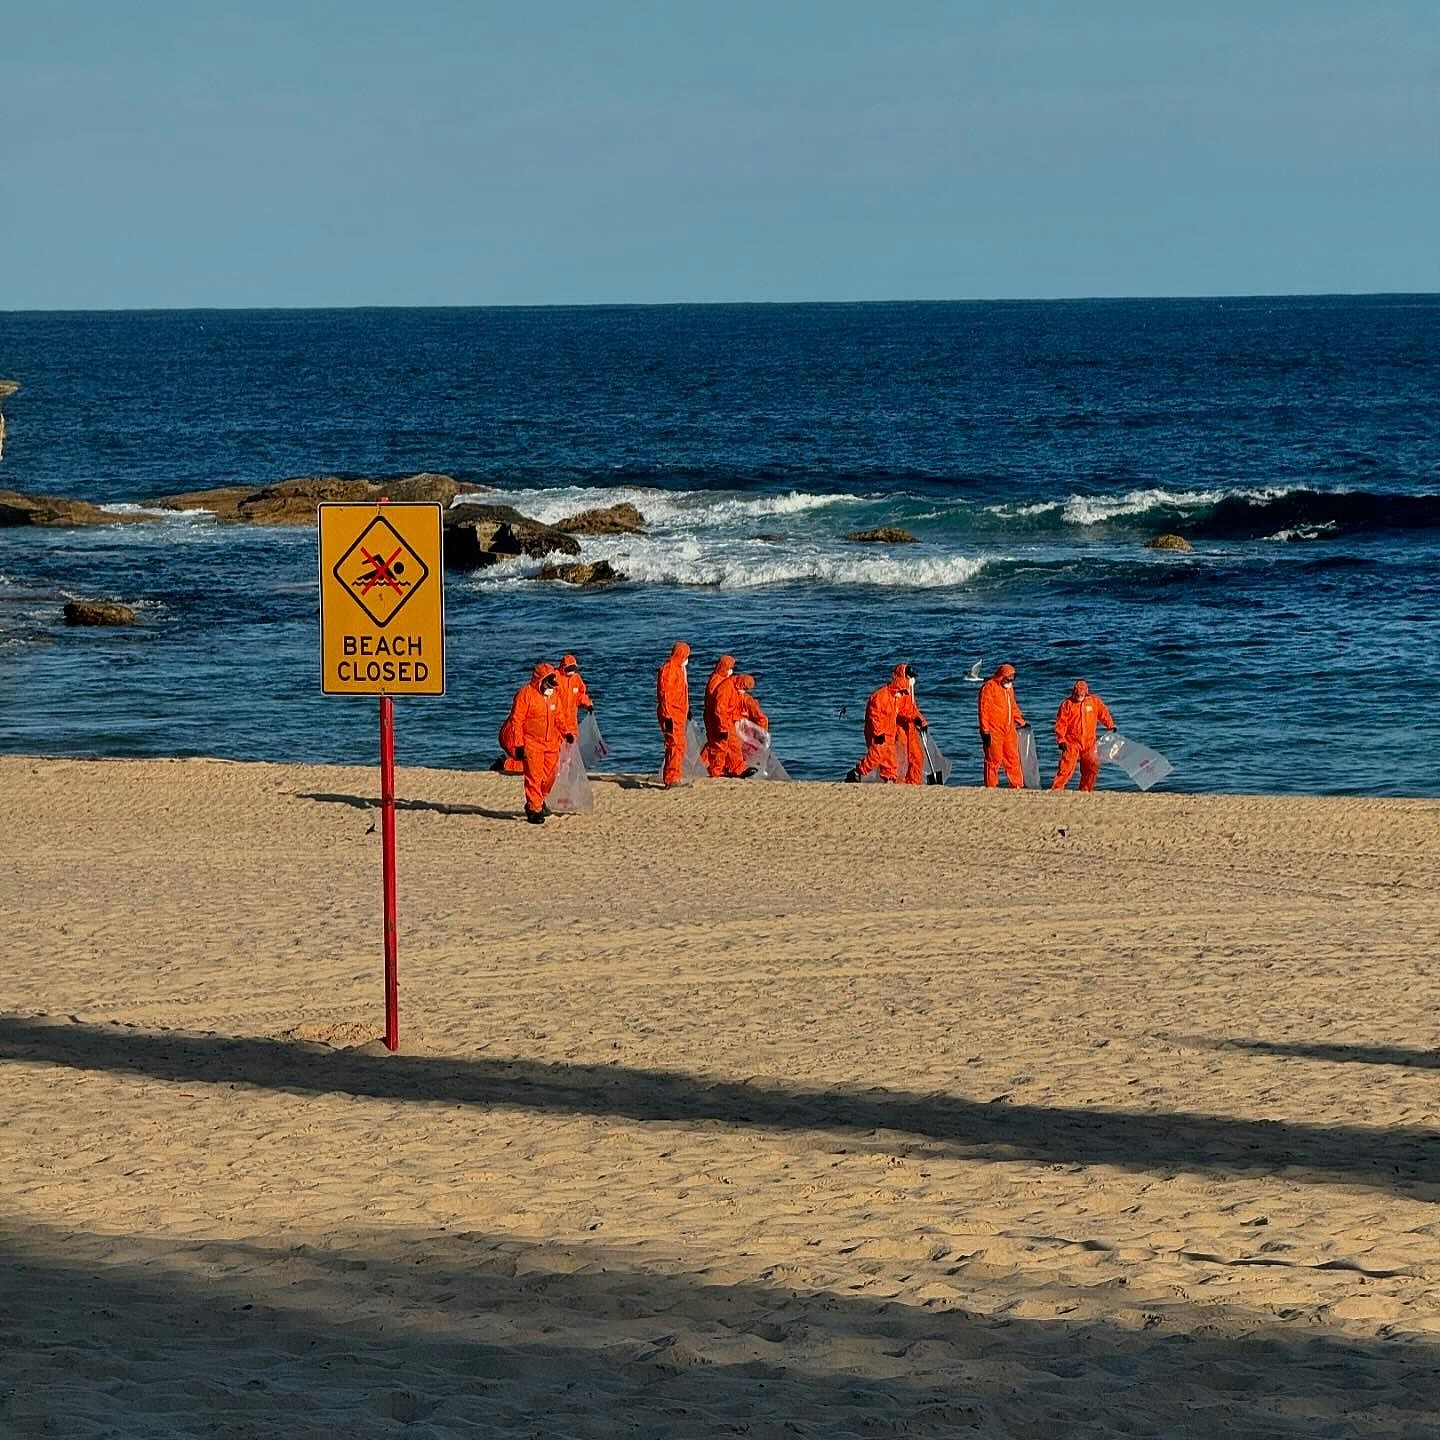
[(382, 600)]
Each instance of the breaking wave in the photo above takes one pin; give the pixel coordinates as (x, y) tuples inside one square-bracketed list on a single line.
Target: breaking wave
[(1275, 512)]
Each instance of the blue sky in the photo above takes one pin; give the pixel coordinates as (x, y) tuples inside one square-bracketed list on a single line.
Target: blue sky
[(315, 152)]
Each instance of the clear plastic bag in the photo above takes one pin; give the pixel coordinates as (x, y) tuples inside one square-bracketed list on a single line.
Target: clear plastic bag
[(1029, 759), (571, 793), (694, 745), (1146, 767), (755, 746), (937, 762), (593, 748)]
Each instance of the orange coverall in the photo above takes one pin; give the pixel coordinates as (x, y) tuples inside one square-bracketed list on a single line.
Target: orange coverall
[(573, 694), (881, 727), (535, 722), (672, 709), (724, 668), (1075, 726), (723, 707), (750, 706), (1000, 714), (910, 720)]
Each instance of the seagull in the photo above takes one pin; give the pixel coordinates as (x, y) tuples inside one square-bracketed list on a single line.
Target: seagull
[(973, 675)]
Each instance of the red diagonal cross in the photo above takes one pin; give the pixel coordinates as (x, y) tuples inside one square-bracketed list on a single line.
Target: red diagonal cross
[(381, 574)]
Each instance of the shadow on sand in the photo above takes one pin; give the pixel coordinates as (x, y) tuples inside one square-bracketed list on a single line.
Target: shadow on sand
[(937, 1123), (441, 1334)]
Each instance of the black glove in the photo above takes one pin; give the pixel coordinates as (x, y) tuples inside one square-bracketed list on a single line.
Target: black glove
[(723, 735), (519, 752), (569, 739), (588, 709), (668, 726), (881, 739), (984, 742), (1024, 726), (921, 726)]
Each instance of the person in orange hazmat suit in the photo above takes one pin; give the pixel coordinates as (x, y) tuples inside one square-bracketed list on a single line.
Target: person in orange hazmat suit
[(1075, 726), (574, 697), (672, 708), (535, 721), (913, 726), (1000, 721), (724, 754), (724, 668), (882, 723), (749, 705)]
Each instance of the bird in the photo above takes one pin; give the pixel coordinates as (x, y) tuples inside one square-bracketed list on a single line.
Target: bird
[(973, 675)]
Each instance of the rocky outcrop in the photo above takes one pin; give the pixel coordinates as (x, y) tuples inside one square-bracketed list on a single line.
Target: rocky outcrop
[(622, 519), (293, 502), (481, 535), (439, 489), (7, 389), (1169, 542), (56, 511), (600, 572), (98, 612), (883, 535)]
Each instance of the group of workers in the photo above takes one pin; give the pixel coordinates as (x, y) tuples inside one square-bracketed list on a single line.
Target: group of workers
[(547, 712), (895, 733)]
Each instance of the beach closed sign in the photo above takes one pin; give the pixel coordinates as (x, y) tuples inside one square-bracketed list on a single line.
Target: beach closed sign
[(382, 600)]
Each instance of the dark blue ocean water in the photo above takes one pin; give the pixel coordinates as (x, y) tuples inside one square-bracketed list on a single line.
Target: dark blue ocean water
[(1031, 447)]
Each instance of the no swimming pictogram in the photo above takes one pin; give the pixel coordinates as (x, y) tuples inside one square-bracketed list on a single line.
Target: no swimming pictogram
[(381, 572)]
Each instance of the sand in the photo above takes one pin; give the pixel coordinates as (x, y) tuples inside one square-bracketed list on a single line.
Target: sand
[(762, 1110)]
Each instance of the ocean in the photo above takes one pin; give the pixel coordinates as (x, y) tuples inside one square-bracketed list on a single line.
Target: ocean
[(1031, 447)]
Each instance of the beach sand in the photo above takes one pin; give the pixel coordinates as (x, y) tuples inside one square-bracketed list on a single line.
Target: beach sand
[(801, 1110)]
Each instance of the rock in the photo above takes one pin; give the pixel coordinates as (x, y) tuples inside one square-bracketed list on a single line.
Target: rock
[(480, 535), (7, 389), (884, 535), (598, 572), (58, 511), (223, 501), (1169, 542), (768, 537), (293, 502), (442, 489), (622, 519), (98, 612)]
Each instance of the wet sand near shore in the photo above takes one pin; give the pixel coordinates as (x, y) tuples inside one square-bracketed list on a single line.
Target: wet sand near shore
[(804, 1110)]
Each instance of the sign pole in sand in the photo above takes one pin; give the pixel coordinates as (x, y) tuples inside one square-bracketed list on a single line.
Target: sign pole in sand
[(382, 632), (387, 871)]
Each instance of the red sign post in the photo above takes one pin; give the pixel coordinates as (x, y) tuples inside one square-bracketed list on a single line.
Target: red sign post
[(387, 871), (382, 632)]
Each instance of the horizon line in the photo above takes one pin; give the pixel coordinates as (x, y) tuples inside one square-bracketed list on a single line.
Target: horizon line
[(730, 304)]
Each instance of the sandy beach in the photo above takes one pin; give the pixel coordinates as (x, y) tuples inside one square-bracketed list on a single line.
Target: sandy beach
[(801, 1110)]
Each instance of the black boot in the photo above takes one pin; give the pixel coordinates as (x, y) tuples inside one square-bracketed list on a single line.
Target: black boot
[(535, 817), (852, 776)]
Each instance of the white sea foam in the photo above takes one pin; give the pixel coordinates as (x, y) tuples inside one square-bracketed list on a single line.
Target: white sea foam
[(738, 565), (690, 509), (158, 512), (1305, 532), (1097, 509)]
